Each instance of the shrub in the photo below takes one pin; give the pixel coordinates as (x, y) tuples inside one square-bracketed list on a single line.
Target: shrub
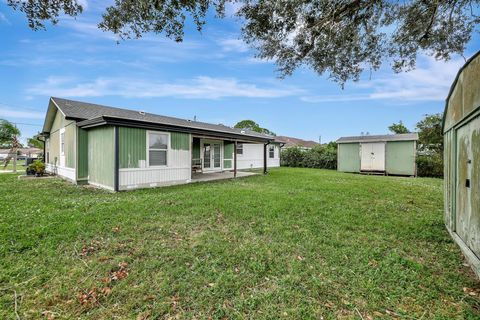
[(321, 156), (292, 157), (430, 165), (38, 166)]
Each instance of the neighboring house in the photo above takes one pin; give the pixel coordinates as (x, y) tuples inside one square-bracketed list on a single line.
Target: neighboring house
[(461, 130), (4, 153), (22, 153), (388, 154), (119, 149), (290, 142), (30, 152)]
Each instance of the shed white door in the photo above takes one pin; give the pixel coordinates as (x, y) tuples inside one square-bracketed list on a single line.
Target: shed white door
[(373, 156)]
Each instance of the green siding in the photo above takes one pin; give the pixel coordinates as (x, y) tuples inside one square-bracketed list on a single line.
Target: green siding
[(70, 153), (196, 148), (228, 150), (101, 156), (400, 157), (349, 157), (132, 146), (227, 163), (180, 141), (82, 153)]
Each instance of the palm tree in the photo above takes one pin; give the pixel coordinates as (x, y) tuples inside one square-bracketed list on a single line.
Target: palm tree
[(9, 137)]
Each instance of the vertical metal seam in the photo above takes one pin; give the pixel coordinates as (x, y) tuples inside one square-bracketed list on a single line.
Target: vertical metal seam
[(116, 157)]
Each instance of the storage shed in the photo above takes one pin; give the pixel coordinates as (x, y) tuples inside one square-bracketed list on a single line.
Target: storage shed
[(461, 130), (392, 154)]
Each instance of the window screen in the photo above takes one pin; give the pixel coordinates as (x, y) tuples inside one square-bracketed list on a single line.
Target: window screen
[(271, 151), (62, 143), (157, 149), (239, 148)]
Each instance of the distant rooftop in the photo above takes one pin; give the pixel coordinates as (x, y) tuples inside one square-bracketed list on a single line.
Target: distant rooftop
[(380, 138), (295, 142)]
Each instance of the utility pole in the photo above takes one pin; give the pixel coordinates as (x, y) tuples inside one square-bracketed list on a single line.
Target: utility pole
[(320, 139), (15, 145)]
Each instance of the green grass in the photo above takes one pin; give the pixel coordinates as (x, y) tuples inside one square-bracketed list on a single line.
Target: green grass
[(20, 166), (296, 244)]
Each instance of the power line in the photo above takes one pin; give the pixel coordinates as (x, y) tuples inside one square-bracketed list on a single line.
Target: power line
[(27, 124)]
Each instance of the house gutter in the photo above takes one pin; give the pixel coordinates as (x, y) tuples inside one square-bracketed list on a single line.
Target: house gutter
[(105, 120)]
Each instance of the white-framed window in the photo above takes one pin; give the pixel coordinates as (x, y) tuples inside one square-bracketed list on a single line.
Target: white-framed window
[(271, 152), (157, 145), (239, 148), (62, 141)]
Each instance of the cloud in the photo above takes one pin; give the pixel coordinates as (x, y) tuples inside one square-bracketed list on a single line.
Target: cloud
[(196, 88), (8, 113), (431, 82), (4, 19), (233, 45)]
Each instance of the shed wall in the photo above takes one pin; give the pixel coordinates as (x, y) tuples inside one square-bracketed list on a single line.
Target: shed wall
[(348, 157), (400, 157), (462, 162)]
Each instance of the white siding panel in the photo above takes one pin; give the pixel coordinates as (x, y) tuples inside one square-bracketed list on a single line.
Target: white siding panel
[(252, 157), (63, 172), (177, 171)]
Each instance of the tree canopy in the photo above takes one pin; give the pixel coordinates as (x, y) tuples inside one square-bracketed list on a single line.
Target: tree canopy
[(35, 143), (253, 126), (339, 38), (8, 134), (398, 128), (430, 137)]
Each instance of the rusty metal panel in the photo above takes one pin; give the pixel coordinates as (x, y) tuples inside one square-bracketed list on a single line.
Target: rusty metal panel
[(471, 87), (467, 224), (449, 179)]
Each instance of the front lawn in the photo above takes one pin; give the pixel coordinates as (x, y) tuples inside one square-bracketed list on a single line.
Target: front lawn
[(296, 244)]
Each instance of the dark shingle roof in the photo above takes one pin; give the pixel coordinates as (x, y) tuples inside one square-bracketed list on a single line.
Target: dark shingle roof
[(380, 138), (84, 111)]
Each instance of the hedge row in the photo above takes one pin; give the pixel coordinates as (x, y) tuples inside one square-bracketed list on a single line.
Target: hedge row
[(322, 157)]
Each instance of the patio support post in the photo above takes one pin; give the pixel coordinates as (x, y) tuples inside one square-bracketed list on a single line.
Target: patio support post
[(235, 159), (265, 158)]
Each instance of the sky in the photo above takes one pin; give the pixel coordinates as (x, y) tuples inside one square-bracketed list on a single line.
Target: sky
[(211, 75)]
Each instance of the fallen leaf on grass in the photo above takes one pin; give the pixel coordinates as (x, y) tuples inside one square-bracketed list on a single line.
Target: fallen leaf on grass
[(48, 314), (143, 316), (87, 297), (471, 291), (121, 273), (116, 229), (106, 291)]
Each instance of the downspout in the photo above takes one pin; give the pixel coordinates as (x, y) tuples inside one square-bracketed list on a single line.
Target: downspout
[(116, 163), (235, 159), (265, 157)]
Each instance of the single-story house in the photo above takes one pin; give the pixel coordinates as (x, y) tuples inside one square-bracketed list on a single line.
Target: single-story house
[(120, 149), (461, 131), (291, 142), (386, 154)]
